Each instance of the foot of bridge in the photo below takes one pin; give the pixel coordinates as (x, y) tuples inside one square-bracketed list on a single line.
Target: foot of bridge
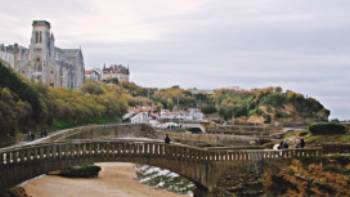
[(201, 191)]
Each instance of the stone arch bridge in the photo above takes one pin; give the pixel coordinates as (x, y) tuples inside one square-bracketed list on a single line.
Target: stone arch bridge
[(203, 167)]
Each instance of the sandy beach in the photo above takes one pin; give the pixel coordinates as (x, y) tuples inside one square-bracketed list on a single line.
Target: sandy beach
[(115, 180)]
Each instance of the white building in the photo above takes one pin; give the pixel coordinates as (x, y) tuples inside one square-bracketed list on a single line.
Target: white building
[(138, 118), (189, 115)]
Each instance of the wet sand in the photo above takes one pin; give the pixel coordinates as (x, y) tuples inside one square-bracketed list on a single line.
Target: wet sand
[(115, 180)]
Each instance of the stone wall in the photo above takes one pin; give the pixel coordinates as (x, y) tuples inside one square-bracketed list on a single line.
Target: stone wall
[(108, 131), (210, 139)]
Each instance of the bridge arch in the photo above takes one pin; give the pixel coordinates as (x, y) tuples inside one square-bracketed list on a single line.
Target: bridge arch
[(201, 166)]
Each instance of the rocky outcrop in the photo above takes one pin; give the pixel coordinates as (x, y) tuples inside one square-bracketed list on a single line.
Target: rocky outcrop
[(327, 176)]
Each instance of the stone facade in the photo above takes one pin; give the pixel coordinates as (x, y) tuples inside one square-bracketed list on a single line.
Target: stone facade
[(43, 61), (115, 73)]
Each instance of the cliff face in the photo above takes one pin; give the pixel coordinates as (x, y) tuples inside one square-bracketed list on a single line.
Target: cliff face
[(324, 177)]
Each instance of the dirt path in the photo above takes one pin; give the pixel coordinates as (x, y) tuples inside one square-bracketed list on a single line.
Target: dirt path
[(115, 180)]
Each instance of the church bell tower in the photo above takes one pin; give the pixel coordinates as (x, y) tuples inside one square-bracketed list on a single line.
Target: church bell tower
[(40, 50)]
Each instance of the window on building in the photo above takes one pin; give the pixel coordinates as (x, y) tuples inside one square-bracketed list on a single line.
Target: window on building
[(38, 64), (36, 37), (40, 37)]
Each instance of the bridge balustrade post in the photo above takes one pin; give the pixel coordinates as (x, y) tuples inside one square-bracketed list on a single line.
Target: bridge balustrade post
[(304, 153), (264, 155), (10, 157), (121, 148), (24, 155), (179, 152), (191, 154), (154, 150), (251, 155), (114, 148), (97, 149), (48, 152), (54, 152), (206, 155), (75, 149), (149, 149), (291, 153), (105, 150), (142, 149), (254, 155), (211, 155), (41, 153), (70, 150), (273, 154), (131, 149), (168, 151), (216, 156), (297, 153), (187, 153), (233, 155), (241, 155), (60, 151), (135, 148), (162, 149), (15, 156), (102, 147), (196, 154), (2, 160), (88, 149), (80, 150), (175, 152), (310, 153), (92, 149), (161, 146), (157, 149), (124, 149), (244, 155), (33, 153), (202, 155)]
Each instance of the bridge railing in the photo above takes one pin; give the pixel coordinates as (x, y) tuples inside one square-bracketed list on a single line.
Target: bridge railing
[(110, 149)]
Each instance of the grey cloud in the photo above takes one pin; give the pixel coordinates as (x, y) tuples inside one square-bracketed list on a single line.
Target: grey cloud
[(300, 45)]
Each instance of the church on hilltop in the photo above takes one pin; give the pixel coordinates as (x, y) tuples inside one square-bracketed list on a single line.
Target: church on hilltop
[(43, 61)]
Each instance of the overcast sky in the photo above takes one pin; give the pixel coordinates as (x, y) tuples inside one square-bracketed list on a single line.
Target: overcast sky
[(303, 45)]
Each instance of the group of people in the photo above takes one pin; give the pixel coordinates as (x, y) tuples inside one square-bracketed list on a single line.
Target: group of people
[(284, 144), (31, 135)]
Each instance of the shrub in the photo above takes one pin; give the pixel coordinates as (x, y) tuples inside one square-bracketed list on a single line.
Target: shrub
[(276, 100), (327, 128), (89, 171)]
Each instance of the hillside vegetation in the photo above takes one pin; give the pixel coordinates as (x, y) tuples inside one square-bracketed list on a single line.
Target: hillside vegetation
[(243, 106), (28, 106)]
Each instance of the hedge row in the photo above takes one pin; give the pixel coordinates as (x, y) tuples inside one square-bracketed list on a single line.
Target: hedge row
[(327, 128)]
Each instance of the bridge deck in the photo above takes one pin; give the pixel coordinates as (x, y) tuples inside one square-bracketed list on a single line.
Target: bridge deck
[(140, 148)]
